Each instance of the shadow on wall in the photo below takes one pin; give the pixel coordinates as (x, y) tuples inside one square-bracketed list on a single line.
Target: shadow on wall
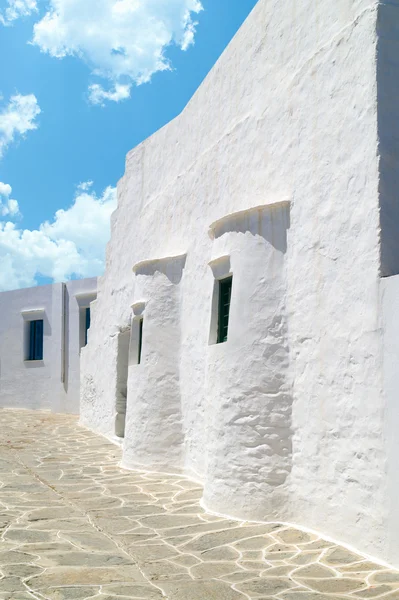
[(388, 133), (122, 369), (66, 326)]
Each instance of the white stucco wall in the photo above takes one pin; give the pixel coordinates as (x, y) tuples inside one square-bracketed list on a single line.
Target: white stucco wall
[(158, 288), (248, 388), (25, 384), (79, 294), (390, 327), (52, 383), (283, 421)]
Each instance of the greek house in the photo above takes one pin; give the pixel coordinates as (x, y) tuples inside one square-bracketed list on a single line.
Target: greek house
[(246, 329), (42, 331)]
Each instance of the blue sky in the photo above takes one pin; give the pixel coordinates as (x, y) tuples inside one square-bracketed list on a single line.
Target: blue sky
[(81, 72)]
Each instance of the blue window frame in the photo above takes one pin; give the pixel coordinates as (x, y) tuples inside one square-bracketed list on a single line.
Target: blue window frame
[(87, 323), (36, 340)]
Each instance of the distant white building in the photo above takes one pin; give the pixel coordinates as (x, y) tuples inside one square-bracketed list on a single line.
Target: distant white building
[(42, 331), (247, 326)]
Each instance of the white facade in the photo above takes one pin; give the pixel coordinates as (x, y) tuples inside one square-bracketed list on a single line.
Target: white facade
[(282, 171), (53, 382)]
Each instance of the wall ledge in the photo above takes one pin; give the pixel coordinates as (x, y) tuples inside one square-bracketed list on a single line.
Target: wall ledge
[(33, 312), (154, 262), (244, 214)]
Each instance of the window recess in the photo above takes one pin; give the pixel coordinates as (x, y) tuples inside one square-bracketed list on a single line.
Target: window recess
[(140, 341), (87, 323), (136, 341), (35, 349), (225, 287)]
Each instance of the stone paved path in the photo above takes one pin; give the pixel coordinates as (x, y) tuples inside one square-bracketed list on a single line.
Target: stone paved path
[(75, 526)]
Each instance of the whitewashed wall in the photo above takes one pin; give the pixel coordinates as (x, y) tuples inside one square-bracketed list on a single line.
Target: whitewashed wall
[(52, 383), (390, 325), (287, 419), (25, 384)]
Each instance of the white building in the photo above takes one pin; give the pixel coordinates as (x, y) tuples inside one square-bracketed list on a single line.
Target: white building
[(42, 331), (246, 330), (282, 173)]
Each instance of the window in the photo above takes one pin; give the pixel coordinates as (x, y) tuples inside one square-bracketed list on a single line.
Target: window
[(87, 323), (84, 326), (136, 334), (35, 340), (140, 344), (225, 286)]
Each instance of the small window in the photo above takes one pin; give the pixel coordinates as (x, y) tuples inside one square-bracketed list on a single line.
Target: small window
[(225, 286), (35, 340), (136, 335), (87, 323), (140, 344)]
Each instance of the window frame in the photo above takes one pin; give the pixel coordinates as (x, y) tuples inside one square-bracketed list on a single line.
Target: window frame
[(35, 340)]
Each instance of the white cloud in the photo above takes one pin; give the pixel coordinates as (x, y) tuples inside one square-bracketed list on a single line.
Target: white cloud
[(8, 206), (84, 186), (5, 189), (17, 118), (97, 94), (17, 9), (123, 41), (73, 243)]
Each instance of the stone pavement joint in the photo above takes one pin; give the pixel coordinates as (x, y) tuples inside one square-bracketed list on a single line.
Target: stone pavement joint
[(75, 526)]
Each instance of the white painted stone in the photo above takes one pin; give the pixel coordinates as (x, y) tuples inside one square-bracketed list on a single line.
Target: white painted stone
[(289, 149), (154, 410), (390, 324), (248, 387)]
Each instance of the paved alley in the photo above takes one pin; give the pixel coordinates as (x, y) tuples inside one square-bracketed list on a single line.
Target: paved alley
[(75, 526)]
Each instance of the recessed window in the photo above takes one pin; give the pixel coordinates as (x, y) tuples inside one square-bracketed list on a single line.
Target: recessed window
[(84, 326), (35, 340), (87, 323), (225, 286), (140, 341), (136, 337)]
